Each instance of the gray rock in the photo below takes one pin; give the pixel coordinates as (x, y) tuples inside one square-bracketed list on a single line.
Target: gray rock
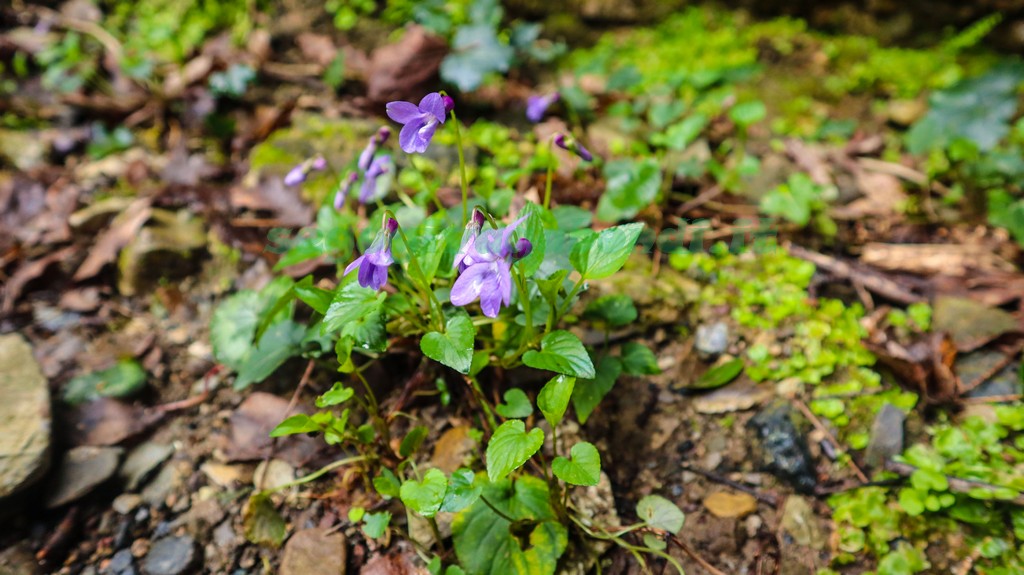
[(886, 436), (121, 563), (81, 470), (783, 447), (24, 417), (314, 551), (171, 556), (712, 339), (979, 364), (801, 523), (141, 462), (18, 560), (170, 478)]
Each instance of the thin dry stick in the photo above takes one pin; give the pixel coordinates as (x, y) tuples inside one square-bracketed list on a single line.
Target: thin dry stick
[(993, 398), (762, 497), (821, 427), (693, 555), (291, 405)]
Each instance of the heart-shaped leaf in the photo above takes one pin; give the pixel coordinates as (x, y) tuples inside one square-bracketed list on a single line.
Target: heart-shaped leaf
[(454, 347), (638, 359), (554, 398), (583, 469), (387, 484), (603, 254), (374, 524), (589, 392), (660, 513), (463, 491), (616, 310), (561, 352), (334, 396), (412, 440), (517, 405), (425, 497), (510, 447), (719, 375)]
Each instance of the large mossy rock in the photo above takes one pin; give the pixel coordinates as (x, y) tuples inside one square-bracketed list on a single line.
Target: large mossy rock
[(24, 416)]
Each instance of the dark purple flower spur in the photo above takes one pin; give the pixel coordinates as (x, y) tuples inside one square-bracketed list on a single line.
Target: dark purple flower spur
[(373, 264)]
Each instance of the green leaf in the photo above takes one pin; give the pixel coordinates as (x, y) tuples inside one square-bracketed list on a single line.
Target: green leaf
[(561, 352), (476, 52), (425, 497), (262, 523), (603, 254), (124, 379), (510, 447), (630, 187), (355, 514), (463, 491), (317, 298), (387, 484), (300, 423), (976, 109), (748, 113), (583, 469), (681, 134), (487, 544), (351, 302), (926, 479), (516, 406), (660, 513), (374, 524), (338, 394), (453, 348), (719, 375), (280, 342), (795, 200), (233, 327), (638, 359), (534, 231), (616, 310), (554, 398), (588, 393), (571, 218), (412, 441)]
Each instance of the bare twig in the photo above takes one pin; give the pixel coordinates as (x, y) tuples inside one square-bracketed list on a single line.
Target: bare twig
[(821, 427), (956, 484), (702, 198), (993, 399), (765, 498), (855, 274), (693, 555)]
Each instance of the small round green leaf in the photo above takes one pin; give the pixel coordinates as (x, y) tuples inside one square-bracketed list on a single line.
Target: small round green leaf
[(583, 469)]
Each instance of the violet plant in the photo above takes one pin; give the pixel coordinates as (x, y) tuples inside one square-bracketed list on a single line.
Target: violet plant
[(483, 296)]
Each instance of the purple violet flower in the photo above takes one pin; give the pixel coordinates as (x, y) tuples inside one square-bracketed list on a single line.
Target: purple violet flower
[(372, 189), (476, 223), (487, 274), (377, 140), (299, 173), (373, 264), (344, 188), (574, 146), (537, 105), (419, 122)]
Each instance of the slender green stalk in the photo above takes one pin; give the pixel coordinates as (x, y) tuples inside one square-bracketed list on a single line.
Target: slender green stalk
[(568, 299), (479, 393), (318, 473), (551, 172), (415, 263), (497, 511), (462, 169)]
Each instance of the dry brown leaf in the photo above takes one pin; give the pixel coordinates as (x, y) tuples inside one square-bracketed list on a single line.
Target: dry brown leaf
[(924, 366), (28, 272), (121, 231), (398, 70), (883, 194), (722, 504), (930, 259), (251, 425)]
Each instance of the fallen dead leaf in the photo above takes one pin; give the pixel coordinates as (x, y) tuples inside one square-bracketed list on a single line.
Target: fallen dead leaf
[(726, 505), (924, 366), (883, 194), (971, 323), (28, 272), (397, 70), (109, 422), (250, 437), (121, 231)]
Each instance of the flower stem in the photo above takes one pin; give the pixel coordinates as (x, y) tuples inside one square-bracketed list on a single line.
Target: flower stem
[(415, 263), (307, 478), (524, 297), (551, 171), (462, 169)]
